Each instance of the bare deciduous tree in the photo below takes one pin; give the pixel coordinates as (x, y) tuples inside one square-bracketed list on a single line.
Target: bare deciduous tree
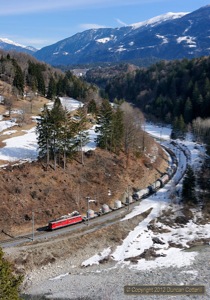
[(133, 133), (8, 102)]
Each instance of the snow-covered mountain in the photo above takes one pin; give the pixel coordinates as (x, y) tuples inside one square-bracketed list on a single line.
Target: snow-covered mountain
[(6, 44), (159, 19), (169, 36)]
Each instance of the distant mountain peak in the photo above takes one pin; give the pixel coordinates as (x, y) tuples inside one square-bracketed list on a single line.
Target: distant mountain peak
[(159, 19), (11, 44), (7, 41)]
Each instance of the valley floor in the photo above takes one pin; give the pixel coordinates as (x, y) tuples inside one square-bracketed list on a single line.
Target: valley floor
[(106, 281)]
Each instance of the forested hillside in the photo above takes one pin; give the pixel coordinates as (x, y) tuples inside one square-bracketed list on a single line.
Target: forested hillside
[(166, 90), (28, 77)]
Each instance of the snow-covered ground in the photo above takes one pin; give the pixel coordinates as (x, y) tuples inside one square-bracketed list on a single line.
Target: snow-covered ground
[(24, 148), (141, 238), (20, 148)]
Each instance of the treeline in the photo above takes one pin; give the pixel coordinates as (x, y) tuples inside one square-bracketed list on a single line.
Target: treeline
[(25, 73), (167, 90)]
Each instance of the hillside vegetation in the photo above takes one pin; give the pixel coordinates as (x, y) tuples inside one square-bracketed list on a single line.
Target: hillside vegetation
[(167, 89), (29, 77)]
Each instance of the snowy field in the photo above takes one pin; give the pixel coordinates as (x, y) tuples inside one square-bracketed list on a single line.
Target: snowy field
[(24, 148)]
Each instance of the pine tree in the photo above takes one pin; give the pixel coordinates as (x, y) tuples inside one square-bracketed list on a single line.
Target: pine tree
[(178, 128), (43, 131), (188, 112), (117, 130), (78, 128), (92, 107), (188, 189), (35, 76), (41, 84), (59, 133), (18, 80), (51, 89), (9, 283), (104, 122)]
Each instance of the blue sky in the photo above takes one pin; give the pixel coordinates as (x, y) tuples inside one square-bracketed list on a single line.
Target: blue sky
[(41, 23)]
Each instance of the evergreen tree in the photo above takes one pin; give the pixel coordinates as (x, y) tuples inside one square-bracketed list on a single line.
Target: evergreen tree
[(61, 86), (188, 113), (41, 84), (104, 122), (59, 133), (178, 128), (188, 189), (43, 131), (18, 80), (9, 283), (92, 107), (117, 130), (35, 76), (51, 89), (68, 141), (80, 126), (57, 119)]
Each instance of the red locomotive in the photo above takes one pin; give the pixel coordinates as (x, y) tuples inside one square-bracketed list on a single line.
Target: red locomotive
[(64, 221)]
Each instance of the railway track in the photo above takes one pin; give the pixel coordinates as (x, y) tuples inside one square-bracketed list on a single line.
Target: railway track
[(98, 222)]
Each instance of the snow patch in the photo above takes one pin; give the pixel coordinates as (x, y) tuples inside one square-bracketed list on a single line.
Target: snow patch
[(188, 39), (9, 132), (70, 104), (106, 39), (59, 276), (6, 124), (165, 40), (95, 260), (131, 43)]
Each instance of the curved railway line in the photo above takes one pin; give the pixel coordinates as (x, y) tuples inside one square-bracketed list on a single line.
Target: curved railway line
[(113, 216)]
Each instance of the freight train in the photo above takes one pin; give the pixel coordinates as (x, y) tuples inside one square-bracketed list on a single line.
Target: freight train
[(75, 216), (160, 182)]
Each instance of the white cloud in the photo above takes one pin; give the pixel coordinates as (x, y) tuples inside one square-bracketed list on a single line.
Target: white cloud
[(121, 22), (91, 26)]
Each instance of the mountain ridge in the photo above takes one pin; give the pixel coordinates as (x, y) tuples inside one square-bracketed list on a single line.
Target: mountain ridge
[(166, 37), (170, 36)]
